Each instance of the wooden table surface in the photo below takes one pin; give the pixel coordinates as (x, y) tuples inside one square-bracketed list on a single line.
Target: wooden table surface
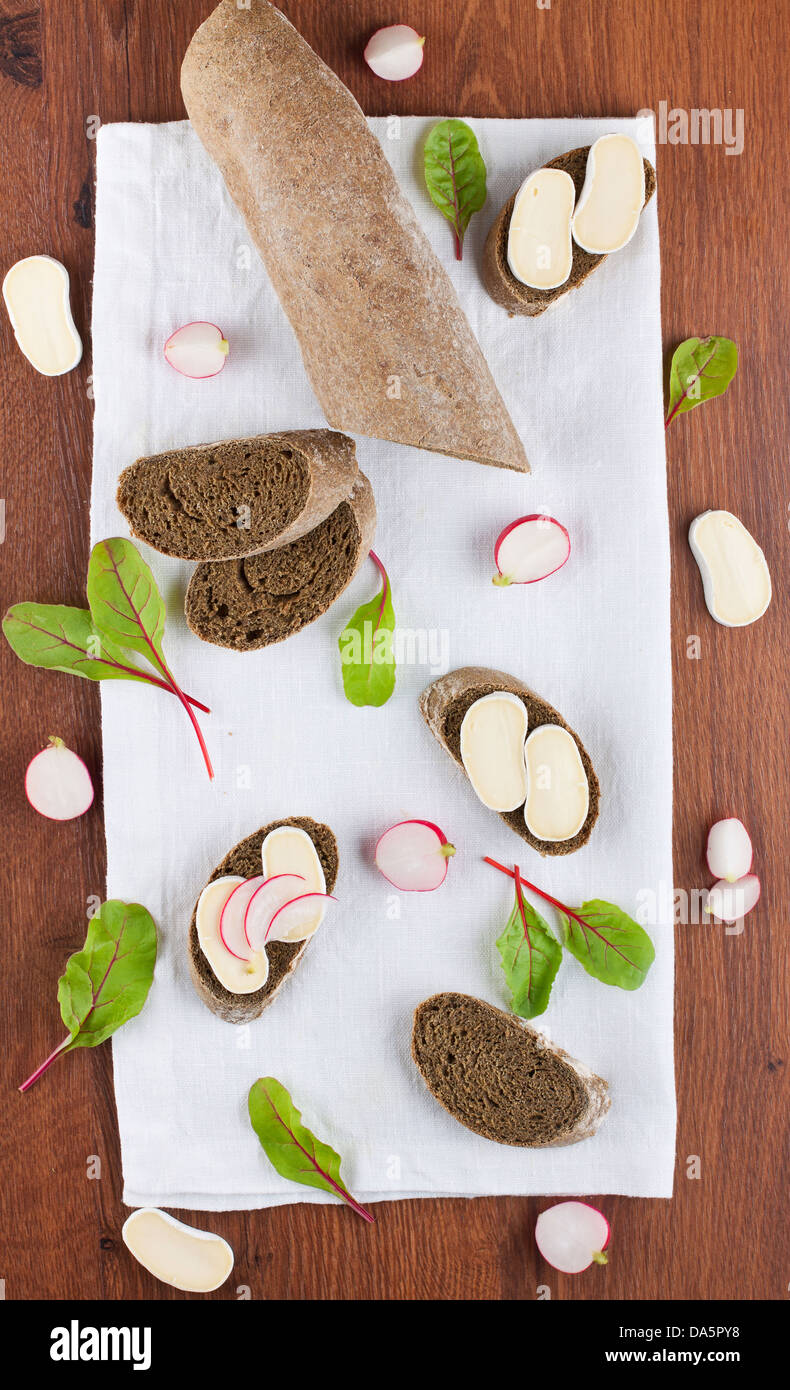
[(724, 231)]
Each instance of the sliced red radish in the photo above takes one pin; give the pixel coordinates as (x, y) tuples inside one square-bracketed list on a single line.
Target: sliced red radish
[(571, 1236), (530, 549), (198, 350), (231, 922), (414, 856), (298, 919), (729, 850), (731, 901), (57, 783), (272, 894), (395, 53)]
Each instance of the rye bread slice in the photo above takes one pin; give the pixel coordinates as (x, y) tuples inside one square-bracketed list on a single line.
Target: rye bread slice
[(503, 1079), (443, 706), (245, 861), (252, 603), (385, 342), (189, 502), (498, 278)]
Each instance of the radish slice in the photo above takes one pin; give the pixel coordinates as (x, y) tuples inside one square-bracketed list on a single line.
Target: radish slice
[(231, 922), (530, 549), (298, 919), (571, 1236), (57, 783), (729, 850), (395, 53), (731, 901), (414, 855), (272, 894), (198, 350)]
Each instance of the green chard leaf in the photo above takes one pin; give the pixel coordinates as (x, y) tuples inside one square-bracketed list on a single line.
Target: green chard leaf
[(107, 982), (289, 1145), (125, 603), (610, 945), (366, 652), (65, 639), (455, 174), (531, 956), (701, 369)]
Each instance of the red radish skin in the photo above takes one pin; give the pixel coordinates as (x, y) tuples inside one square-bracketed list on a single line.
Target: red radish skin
[(273, 893), (57, 783), (196, 345), (273, 928), (231, 921), (414, 856), (572, 1235), (530, 549)]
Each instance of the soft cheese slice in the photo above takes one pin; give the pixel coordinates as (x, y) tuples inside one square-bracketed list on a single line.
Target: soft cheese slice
[(608, 210), (188, 1259), (36, 294), (289, 850), (558, 793), (238, 976), (493, 731), (539, 247), (735, 575)]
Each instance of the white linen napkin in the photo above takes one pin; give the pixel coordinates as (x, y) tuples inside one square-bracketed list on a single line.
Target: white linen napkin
[(584, 386)]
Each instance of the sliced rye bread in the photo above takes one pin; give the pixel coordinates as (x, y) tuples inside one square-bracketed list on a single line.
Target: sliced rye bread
[(238, 497), (443, 706), (498, 278), (247, 604), (245, 861), (372, 307), (503, 1079)]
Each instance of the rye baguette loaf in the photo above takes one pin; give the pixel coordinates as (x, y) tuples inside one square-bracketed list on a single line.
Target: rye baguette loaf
[(247, 604), (443, 706), (239, 497), (498, 278), (503, 1079), (367, 298), (245, 861)]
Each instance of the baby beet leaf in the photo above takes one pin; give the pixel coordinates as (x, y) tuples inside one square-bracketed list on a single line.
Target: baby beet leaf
[(455, 174), (367, 659), (107, 982), (531, 957), (701, 369), (290, 1147), (127, 607)]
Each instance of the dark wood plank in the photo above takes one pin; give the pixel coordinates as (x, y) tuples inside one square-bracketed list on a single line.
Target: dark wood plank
[(724, 231)]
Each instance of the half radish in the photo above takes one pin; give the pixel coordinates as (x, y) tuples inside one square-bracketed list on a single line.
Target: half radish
[(57, 783), (197, 350), (272, 894), (414, 856), (395, 53), (731, 901), (729, 851), (571, 1236), (298, 919), (530, 549), (231, 922)]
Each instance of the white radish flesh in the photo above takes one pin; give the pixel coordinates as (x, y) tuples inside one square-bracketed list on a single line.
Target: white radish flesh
[(231, 922), (530, 549), (729, 850), (395, 53), (197, 350), (58, 784), (299, 918), (414, 856), (571, 1235), (731, 901), (272, 894)]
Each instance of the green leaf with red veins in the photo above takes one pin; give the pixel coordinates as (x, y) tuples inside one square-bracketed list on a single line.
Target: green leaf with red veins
[(701, 369), (531, 956), (455, 175), (610, 945), (124, 601), (366, 650)]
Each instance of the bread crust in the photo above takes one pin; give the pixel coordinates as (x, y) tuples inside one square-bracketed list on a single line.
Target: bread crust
[(443, 705), (498, 278), (370, 303), (244, 860)]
